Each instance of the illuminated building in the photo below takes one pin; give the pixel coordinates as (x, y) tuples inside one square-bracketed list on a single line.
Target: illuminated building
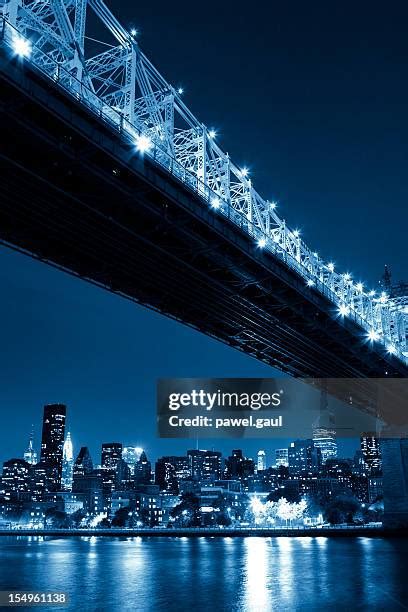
[(30, 455), (281, 457), (111, 455), (325, 439), (205, 464), (143, 470), (67, 463), (52, 442), (370, 447), (261, 461), (304, 457), (83, 463), (131, 454), (14, 480), (170, 470)]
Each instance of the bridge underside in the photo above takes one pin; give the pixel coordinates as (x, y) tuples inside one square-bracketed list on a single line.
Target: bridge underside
[(76, 196)]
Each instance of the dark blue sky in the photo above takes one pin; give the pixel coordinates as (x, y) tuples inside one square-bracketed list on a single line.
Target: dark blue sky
[(313, 99)]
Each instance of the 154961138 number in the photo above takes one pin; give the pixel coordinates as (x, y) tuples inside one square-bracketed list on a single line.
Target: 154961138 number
[(32, 598)]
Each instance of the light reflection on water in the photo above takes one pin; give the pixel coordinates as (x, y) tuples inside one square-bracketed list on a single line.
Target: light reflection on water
[(211, 574)]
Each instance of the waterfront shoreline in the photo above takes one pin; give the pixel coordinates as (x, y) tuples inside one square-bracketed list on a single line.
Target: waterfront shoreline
[(373, 532)]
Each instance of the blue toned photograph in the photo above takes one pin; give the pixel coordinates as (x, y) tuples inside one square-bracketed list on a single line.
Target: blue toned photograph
[(203, 306)]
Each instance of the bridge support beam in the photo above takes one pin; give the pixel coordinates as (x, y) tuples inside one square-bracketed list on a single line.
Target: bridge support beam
[(395, 481)]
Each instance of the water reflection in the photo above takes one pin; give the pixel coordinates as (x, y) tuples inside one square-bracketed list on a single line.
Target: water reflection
[(211, 574)]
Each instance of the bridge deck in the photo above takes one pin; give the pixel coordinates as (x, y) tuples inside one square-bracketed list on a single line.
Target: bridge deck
[(75, 195)]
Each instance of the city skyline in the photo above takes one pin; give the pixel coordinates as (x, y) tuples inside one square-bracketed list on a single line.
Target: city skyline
[(199, 488), (346, 447)]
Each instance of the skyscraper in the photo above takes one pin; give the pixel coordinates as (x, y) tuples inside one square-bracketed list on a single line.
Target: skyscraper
[(304, 457), (281, 457), (261, 461), (170, 471), (14, 481), (67, 463), (370, 447), (205, 464), (29, 454), (111, 454), (143, 470), (131, 454), (83, 463), (325, 439), (52, 442)]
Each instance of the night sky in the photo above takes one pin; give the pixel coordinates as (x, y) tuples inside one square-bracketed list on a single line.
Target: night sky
[(313, 98)]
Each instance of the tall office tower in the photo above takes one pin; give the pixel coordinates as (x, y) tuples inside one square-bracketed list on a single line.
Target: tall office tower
[(131, 454), (205, 464), (30, 455), (370, 447), (111, 454), (170, 471), (304, 457), (83, 463), (233, 464), (14, 480), (281, 457), (238, 466), (52, 442), (67, 463), (261, 461), (325, 439), (143, 470)]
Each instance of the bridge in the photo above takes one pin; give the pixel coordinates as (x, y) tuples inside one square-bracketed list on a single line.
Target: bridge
[(107, 174)]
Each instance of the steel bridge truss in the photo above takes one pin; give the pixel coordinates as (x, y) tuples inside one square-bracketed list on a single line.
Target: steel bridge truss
[(122, 86)]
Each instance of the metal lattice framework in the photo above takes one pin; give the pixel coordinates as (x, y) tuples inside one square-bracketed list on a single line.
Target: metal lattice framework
[(122, 86)]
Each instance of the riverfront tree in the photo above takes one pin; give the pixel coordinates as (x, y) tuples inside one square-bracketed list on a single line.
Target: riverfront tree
[(56, 518), (342, 509), (187, 512), (121, 517)]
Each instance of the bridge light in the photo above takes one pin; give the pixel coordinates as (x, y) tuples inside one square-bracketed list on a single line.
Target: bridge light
[(296, 233), (244, 172), (143, 143), (359, 287), (133, 32), (272, 205), (215, 202), (212, 134), (310, 282), (372, 293), (373, 336), (347, 277), (383, 298), (180, 91), (21, 46), (391, 349), (262, 243), (344, 310), (330, 267)]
